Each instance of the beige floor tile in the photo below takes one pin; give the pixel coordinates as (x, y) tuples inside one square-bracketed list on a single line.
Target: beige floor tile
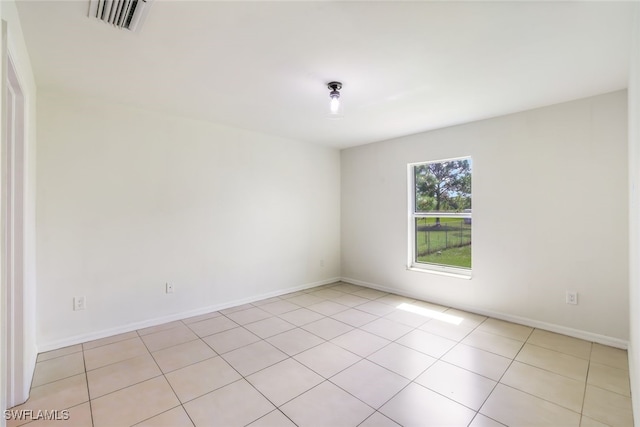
[(542, 386), (77, 416), (395, 300), (370, 383), (609, 378), (295, 341), (253, 357), (168, 338), (212, 326), (249, 316), (175, 417), (301, 316), (407, 318), (236, 404), (201, 317), (376, 308), (607, 407), (506, 329), (546, 385), (200, 378), (269, 327), (229, 340), (378, 420), (484, 421), (109, 340), (481, 362), (181, 355), (590, 422), (360, 342), (328, 308), (273, 419), (327, 359), (551, 360), (60, 395), (327, 328), (427, 343), (305, 300), (326, 405), (284, 381), (493, 343), (430, 306), (370, 294), (562, 343), (327, 293), (402, 360), (279, 307), (112, 353), (350, 300), (58, 368), (354, 317), (457, 384), (609, 356), (446, 330), (133, 404), (160, 328), (122, 374), (470, 320), (427, 408), (386, 328), (515, 408), (347, 287), (59, 352)]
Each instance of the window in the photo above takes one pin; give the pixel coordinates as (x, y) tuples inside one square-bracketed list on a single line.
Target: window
[(440, 216)]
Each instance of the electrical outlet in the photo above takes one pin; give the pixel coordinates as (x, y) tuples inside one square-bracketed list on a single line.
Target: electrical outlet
[(322, 263), (79, 303), (169, 288), (572, 297)]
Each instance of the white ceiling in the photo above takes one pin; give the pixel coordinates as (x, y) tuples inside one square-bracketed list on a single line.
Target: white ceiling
[(406, 66)]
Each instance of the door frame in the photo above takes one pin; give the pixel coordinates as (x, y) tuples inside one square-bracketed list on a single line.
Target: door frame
[(12, 228)]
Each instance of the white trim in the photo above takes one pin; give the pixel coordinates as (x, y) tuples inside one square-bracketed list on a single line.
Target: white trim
[(576, 333), (444, 270), (78, 339), (14, 218)]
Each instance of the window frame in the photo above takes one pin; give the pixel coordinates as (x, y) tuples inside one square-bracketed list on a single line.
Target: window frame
[(412, 263)]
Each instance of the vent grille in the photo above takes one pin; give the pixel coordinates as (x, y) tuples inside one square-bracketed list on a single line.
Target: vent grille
[(124, 14)]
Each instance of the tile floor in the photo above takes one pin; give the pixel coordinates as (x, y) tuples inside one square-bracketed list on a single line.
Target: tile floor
[(336, 355)]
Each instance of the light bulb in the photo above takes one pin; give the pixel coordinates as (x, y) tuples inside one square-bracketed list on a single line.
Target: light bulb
[(334, 96), (335, 104)]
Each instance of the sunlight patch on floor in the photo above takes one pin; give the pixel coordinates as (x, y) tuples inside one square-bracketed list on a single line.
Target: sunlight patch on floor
[(455, 320)]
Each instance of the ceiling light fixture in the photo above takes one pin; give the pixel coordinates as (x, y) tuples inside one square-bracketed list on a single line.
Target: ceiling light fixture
[(334, 95)]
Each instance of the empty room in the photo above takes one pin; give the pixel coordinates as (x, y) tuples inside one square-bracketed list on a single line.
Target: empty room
[(319, 213)]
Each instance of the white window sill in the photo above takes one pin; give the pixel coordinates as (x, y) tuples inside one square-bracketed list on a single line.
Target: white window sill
[(442, 271)]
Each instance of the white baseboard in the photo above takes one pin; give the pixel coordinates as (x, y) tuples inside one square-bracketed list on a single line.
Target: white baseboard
[(576, 333), (78, 339)]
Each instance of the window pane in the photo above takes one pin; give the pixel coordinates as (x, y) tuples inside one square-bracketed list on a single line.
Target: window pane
[(443, 241), (443, 186)]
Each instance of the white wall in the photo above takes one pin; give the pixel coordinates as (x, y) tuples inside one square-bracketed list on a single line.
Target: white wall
[(131, 199), (634, 216), (18, 51), (550, 215)]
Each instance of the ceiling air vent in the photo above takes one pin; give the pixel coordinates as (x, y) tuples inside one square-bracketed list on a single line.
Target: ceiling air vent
[(125, 14)]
